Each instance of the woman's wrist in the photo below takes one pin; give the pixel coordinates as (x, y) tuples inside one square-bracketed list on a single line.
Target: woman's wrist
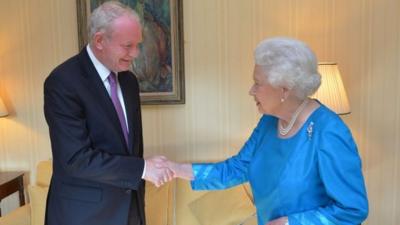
[(287, 221), (182, 170)]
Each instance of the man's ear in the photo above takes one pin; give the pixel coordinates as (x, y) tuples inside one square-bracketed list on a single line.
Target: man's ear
[(98, 40)]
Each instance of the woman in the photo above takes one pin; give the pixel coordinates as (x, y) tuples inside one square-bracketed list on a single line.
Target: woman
[(301, 160)]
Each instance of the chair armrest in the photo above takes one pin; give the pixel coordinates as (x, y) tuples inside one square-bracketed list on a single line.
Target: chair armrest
[(20, 216)]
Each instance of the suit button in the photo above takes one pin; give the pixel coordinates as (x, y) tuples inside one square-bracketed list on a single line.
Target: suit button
[(128, 191)]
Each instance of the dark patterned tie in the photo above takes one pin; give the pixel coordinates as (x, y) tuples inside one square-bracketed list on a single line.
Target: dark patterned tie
[(112, 78)]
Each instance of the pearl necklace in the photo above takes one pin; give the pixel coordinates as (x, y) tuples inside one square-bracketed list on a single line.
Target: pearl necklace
[(285, 130)]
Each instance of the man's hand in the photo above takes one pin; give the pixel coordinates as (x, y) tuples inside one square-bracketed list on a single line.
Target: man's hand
[(157, 170)]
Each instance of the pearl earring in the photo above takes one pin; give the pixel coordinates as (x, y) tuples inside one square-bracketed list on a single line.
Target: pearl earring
[(282, 99)]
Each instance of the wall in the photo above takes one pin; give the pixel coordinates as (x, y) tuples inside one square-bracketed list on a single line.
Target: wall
[(34, 37), (362, 36)]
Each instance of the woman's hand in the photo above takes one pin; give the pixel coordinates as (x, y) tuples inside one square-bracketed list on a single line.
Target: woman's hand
[(279, 221), (181, 170)]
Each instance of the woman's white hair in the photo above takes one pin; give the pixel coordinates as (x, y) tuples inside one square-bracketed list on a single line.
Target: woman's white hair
[(103, 16), (289, 63)]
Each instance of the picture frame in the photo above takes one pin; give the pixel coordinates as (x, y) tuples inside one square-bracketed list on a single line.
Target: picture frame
[(160, 70)]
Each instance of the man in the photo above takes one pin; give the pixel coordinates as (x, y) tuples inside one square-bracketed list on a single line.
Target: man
[(92, 108)]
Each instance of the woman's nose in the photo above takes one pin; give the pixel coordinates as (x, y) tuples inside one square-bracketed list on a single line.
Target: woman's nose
[(251, 91)]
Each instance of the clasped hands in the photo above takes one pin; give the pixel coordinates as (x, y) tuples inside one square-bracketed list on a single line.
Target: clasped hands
[(160, 170)]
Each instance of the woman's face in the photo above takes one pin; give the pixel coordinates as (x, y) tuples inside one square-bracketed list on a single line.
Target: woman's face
[(266, 96)]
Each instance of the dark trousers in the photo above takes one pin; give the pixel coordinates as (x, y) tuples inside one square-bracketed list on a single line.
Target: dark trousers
[(134, 215)]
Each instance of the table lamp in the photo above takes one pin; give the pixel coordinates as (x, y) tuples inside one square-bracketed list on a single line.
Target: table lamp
[(331, 92)]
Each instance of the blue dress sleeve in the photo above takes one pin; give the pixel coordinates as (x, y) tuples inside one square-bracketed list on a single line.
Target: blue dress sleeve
[(339, 166), (228, 173)]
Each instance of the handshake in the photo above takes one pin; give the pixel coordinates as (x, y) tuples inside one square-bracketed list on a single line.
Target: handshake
[(160, 170)]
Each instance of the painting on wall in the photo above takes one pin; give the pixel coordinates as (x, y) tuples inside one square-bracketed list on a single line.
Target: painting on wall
[(160, 64)]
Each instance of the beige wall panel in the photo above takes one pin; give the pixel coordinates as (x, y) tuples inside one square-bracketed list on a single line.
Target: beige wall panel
[(34, 37)]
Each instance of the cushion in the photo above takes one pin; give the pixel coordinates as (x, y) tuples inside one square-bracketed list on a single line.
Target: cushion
[(226, 207), (252, 220), (183, 196), (158, 203), (43, 173), (38, 197), (249, 193), (19, 216)]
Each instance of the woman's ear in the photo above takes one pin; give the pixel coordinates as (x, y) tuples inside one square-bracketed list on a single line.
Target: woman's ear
[(285, 94)]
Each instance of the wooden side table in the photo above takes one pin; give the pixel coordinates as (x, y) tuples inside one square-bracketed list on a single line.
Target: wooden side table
[(11, 182)]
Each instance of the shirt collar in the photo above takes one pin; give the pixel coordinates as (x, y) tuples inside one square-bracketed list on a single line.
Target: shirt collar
[(100, 68)]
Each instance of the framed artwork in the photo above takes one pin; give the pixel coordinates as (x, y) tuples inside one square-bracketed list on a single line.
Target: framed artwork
[(160, 64)]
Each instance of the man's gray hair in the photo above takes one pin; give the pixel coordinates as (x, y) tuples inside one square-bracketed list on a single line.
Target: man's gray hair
[(104, 15), (289, 63)]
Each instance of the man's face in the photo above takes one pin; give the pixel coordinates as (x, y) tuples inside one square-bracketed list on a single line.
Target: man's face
[(118, 47)]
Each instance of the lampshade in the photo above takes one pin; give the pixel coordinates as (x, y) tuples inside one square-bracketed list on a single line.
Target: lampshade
[(3, 109), (331, 92)]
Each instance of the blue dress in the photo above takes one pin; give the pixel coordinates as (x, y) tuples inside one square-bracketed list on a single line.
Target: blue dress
[(313, 177)]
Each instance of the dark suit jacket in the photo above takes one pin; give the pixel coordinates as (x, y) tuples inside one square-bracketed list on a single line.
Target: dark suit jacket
[(95, 173)]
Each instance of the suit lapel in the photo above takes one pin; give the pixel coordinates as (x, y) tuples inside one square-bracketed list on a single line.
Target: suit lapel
[(97, 87)]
